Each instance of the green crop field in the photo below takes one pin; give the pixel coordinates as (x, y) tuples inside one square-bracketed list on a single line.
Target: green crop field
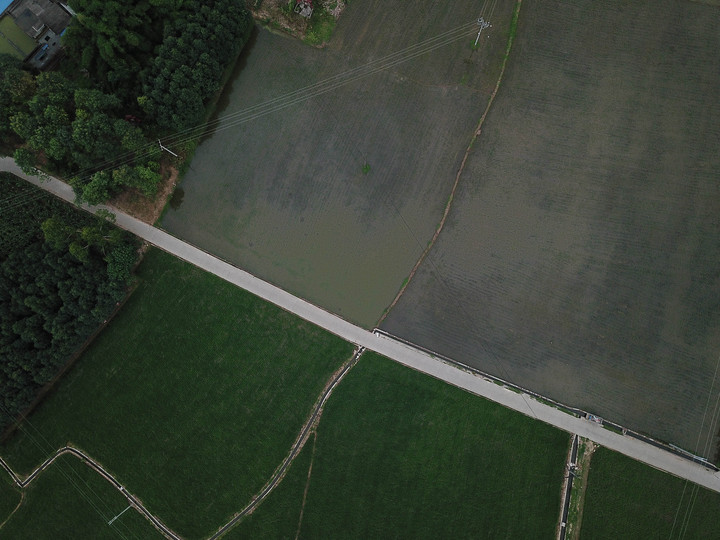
[(580, 258), (401, 455), (627, 499), (191, 397), (68, 501), (9, 497), (329, 169)]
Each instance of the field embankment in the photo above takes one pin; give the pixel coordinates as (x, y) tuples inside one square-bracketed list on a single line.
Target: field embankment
[(402, 455), (329, 169), (580, 258), (191, 397)]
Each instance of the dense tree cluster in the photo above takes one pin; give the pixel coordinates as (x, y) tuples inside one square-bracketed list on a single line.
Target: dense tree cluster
[(163, 58), (75, 130), (149, 63), (61, 274), (133, 69), (114, 40), (189, 64)]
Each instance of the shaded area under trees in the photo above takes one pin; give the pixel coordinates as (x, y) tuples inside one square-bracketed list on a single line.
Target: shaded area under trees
[(61, 274)]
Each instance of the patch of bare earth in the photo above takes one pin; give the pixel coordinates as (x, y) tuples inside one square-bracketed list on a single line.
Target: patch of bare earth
[(133, 202), (277, 14), (586, 448)]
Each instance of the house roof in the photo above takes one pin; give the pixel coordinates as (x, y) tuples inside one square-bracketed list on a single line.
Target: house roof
[(32, 15), (13, 40), (4, 4)]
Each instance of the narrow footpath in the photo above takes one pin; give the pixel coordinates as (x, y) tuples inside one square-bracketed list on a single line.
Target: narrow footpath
[(308, 427), (132, 500), (394, 349), (567, 487)]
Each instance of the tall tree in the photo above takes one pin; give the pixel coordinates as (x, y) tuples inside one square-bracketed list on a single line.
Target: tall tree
[(61, 273)]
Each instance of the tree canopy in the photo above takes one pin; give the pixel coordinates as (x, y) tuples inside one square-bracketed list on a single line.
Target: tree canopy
[(150, 67), (196, 49), (61, 274)]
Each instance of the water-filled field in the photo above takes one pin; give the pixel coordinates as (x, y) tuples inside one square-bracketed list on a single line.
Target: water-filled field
[(333, 184), (581, 257)]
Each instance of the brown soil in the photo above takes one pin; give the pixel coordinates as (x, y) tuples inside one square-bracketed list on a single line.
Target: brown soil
[(275, 13), (137, 205)]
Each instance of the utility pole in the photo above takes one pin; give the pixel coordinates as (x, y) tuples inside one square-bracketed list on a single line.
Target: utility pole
[(166, 149), (483, 25)]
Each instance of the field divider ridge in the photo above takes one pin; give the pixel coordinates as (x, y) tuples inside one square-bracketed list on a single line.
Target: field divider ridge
[(451, 198), (132, 500), (307, 428), (657, 455)]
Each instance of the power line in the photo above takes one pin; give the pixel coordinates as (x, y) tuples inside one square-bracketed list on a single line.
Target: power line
[(92, 498), (283, 101)]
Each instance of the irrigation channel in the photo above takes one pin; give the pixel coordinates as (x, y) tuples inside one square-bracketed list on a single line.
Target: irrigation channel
[(654, 453), (275, 479), (132, 500), (570, 467)]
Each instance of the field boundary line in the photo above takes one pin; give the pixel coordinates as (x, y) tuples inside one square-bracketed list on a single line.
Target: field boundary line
[(132, 500), (307, 486), (49, 386), (19, 504), (476, 133), (307, 428)]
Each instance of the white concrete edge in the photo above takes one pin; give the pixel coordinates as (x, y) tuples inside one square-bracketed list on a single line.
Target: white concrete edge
[(394, 349)]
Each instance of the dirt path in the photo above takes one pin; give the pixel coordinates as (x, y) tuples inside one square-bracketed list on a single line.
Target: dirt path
[(19, 504), (476, 134), (586, 448), (307, 486), (567, 485), (306, 430)]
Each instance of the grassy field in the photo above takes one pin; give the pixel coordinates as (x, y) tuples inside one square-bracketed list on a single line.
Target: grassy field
[(402, 455), (191, 397), (9, 497), (627, 499), (334, 196), (581, 257), (71, 501)]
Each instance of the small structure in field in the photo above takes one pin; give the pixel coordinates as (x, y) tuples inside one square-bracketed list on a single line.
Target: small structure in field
[(304, 8)]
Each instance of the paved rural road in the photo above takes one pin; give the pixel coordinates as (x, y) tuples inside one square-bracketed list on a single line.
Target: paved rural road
[(395, 350)]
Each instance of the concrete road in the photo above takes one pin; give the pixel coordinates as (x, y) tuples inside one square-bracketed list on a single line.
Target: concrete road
[(395, 350)]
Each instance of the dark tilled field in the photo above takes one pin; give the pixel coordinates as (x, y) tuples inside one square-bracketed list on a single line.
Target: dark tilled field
[(581, 257), (286, 195)]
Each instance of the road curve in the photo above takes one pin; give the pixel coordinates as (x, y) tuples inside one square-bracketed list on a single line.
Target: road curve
[(400, 352)]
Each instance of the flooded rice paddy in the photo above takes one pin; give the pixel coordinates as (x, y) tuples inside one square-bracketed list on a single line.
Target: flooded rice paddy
[(333, 185), (581, 256)]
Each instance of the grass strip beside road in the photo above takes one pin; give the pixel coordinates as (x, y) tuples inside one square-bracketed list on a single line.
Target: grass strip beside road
[(191, 397), (627, 499), (400, 454)]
